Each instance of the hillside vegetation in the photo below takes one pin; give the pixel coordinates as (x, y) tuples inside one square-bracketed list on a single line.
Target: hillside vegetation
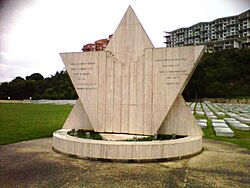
[(224, 74), (58, 86)]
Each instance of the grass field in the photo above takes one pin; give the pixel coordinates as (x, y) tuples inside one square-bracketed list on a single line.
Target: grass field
[(241, 138), (20, 122)]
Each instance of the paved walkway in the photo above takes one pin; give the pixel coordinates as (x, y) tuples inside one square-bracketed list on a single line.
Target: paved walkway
[(42, 101), (34, 164)]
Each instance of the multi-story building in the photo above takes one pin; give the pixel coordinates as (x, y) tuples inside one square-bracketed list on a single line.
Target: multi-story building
[(98, 45), (219, 34)]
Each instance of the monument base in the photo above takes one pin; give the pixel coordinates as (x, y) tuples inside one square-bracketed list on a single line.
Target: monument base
[(123, 151), (119, 137)]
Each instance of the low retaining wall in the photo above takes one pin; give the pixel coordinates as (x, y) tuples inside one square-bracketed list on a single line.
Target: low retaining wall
[(126, 150)]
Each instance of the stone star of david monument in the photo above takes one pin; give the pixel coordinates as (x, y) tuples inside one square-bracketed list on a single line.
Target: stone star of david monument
[(131, 89)]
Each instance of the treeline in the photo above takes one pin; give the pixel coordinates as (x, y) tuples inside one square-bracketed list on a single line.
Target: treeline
[(35, 86), (224, 74)]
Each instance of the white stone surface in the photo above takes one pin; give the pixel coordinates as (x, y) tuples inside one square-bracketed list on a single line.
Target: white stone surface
[(209, 113), (212, 116), (243, 119), (229, 119), (59, 102), (200, 113), (217, 120), (223, 132), (239, 115), (125, 150), (241, 126), (202, 120), (246, 115), (203, 125), (219, 125), (232, 114), (131, 88), (220, 114), (109, 136)]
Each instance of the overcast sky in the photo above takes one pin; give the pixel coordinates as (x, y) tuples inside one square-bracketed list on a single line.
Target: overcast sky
[(34, 32)]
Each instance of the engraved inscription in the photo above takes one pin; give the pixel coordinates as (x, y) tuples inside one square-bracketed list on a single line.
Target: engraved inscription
[(84, 74), (169, 70)]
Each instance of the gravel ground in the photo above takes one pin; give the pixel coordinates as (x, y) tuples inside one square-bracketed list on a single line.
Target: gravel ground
[(34, 164)]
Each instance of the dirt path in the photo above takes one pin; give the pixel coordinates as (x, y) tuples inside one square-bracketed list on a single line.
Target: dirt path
[(34, 164)]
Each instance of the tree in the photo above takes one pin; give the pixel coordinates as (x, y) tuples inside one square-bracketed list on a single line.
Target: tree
[(35, 76), (18, 78), (221, 74)]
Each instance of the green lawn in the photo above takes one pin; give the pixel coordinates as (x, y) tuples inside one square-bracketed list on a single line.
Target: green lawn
[(241, 138), (20, 122)]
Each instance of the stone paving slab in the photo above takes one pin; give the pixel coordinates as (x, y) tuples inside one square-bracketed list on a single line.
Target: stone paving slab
[(202, 120), (200, 112), (217, 120), (211, 116), (243, 119), (223, 132), (34, 164), (219, 125), (240, 126), (239, 115), (232, 114), (202, 125), (229, 119), (220, 114), (42, 101), (246, 115)]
